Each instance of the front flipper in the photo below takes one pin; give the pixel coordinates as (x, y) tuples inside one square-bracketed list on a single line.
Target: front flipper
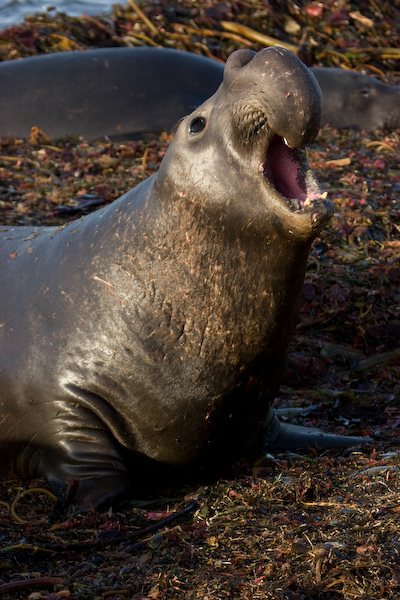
[(79, 457), (279, 435), (86, 470)]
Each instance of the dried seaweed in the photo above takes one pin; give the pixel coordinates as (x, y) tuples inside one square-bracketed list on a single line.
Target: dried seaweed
[(282, 526)]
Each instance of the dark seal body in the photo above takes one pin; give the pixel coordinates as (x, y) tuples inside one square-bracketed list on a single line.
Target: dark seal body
[(121, 92), (111, 92), (354, 100), (155, 330)]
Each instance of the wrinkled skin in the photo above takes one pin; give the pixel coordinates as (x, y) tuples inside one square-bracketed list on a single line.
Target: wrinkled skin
[(123, 92), (153, 333)]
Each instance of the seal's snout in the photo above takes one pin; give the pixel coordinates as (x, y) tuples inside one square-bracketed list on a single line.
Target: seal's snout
[(279, 89), (276, 106)]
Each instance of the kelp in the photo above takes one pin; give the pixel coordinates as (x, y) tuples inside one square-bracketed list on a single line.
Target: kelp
[(282, 525)]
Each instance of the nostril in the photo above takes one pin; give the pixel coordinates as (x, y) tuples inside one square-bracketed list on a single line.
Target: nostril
[(237, 60)]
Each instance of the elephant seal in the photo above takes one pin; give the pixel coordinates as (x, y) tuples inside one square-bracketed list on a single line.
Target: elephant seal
[(111, 92), (121, 92), (354, 100), (153, 332)]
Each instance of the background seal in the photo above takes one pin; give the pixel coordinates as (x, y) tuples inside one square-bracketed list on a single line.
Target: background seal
[(121, 92)]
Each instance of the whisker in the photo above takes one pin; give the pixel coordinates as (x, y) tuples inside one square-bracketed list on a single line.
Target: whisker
[(174, 128)]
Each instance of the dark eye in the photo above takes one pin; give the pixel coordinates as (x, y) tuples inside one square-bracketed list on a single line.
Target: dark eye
[(197, 125), (365, 93)]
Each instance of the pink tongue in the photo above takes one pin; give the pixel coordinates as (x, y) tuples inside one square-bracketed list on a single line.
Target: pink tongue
[(282, 169)]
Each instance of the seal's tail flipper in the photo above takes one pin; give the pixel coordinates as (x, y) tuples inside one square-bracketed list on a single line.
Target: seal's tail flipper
[(279, 435)]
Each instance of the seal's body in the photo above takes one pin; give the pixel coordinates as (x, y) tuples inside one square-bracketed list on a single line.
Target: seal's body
[(158, 326), (122, 92), (156, 329), (115, 92), (354, 100)]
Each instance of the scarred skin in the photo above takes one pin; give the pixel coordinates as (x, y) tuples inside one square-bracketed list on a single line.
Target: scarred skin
[(153, 332), (123, 92)]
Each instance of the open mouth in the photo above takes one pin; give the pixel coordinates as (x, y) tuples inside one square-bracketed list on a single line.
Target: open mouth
[(287, 170)]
